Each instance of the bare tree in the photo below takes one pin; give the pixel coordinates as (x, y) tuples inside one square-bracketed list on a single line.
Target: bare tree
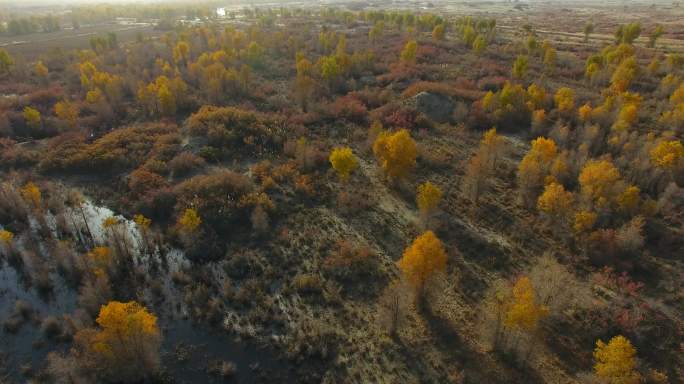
[(395, 304)]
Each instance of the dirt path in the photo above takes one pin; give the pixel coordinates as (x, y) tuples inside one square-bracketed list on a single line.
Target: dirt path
[(30, 39), (595, 39), (388, 201)]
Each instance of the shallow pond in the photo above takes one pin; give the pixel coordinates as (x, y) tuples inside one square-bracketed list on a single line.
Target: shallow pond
[(189, 350), (27, 346)]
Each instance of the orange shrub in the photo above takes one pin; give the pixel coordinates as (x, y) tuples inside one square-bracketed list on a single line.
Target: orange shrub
[(349, 108)]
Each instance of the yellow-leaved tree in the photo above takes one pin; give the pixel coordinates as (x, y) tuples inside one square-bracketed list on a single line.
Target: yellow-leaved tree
[(143, 224), (100, 260), (189, 221), (7, 241), (491, 147), (556, 202), (628, 201), (428, 198), (585, 112), (343, 162), (599, 182), (422, 259), (6, 236), (667, 154), (616, 361), (584, 222), (483, 164), (408, 54), (479, 44), (624, 75), (520, 66), (181, 52), (67, 111), (534, 168), (125, 347), (167, 101), (438, 32), (32, 117), (565, 100), (31, 194), (304, 83), (523, 311), (396, 153), (40, 69)]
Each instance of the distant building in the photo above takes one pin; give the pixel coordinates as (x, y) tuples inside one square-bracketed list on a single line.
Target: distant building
[(126, 20)]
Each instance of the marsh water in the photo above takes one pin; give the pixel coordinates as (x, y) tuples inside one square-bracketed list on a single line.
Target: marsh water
[(189, 349)]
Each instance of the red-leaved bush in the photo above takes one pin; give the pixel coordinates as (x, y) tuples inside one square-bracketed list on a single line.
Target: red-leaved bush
[(349, 108)]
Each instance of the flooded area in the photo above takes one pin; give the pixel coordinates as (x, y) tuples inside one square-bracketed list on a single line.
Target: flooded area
[(25, 346), (191, 352), (194, 353)]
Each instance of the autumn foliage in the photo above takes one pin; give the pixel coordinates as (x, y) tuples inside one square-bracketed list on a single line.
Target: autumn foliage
[(396, 153), (422, 259), (428, 197), (126, 344), (598, 181), (524, 312), (189, 221), (555, 201), (616, 361), (535, 167), (343, 162)]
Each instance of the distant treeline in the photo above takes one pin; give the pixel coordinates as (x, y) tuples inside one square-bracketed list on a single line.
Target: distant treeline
[(103, 13), (33, 24)]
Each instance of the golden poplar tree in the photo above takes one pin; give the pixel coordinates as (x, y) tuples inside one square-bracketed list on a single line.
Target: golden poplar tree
[(585, 112), (142, 222), (100, 260), (7, 242), (491, 147), (67, 111), (555, 202), (584, 222), (343, 162), (304, 83), (408, 54), (422, 259), (624, 75), (667, 154), (598, 180), (520, 66), (31, 194), (32, 117), (6, 237), (40, 69), (181, 52), (189, 221), (550, 58), (534, 167), (523, 311), (167, 101), (479, 45), (126, 345), (6, 62), (616, 361), (396, 153), (628, 201), (565, 99), (428, 197), (438, 32)]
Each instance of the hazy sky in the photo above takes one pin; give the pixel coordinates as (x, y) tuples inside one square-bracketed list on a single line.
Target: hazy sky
[(19, 3)]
